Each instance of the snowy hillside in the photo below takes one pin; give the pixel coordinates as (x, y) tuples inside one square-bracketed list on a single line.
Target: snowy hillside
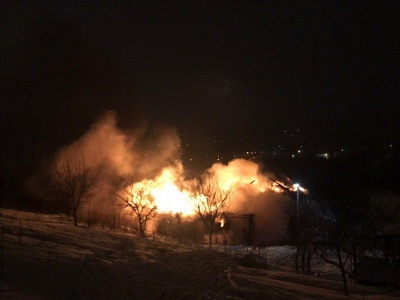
[(45, 257)]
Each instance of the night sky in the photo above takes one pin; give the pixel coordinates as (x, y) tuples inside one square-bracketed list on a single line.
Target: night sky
[(237, 67)]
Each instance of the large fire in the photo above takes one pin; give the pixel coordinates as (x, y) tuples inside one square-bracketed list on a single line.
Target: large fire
[(123, 154), (240, 176), (168, 196)]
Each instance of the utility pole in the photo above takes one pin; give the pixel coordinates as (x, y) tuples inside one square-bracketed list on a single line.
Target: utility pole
[(297, 187)]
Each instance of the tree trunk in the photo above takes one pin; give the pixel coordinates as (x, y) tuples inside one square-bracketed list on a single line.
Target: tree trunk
[(346, 292), (141, 229), (179, 231), (355, 263), (297, 257), (342, 271), (210, 236), (75, 215)]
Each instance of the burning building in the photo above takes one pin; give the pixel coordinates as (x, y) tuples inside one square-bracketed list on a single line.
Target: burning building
[(143, 167)]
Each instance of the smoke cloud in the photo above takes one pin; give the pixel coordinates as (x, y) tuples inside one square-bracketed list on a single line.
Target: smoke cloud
[(252, 194), (114, 153), (127, 153), (145, 153), (104, 145)]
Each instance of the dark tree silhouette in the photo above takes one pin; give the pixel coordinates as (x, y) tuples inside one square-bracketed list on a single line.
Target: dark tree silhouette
[(301, 230), (209, 199), (137, 197), (73, 183)]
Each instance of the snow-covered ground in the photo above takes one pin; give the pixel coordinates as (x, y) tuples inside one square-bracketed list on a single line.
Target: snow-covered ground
[(45, 257), (281, 257)]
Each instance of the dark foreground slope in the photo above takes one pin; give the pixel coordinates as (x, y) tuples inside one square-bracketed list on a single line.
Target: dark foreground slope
[(50, 259)]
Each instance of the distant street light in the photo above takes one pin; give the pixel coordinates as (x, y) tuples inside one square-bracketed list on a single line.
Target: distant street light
[(296, 186)]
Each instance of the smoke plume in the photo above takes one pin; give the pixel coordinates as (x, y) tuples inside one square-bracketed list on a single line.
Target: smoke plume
[(153, 153), (252, 194)]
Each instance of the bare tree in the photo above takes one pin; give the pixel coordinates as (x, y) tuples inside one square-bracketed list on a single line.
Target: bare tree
[(334, 239), (209, 199), (138, 198), (321, 231), (302, 229), (347, 231), (178, 217), (73, 183)]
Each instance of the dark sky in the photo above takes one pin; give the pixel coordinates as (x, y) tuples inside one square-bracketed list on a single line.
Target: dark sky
[(240, 66)]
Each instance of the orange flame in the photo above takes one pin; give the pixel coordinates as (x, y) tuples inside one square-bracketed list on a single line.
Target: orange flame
[(240, 175), (168, 196)]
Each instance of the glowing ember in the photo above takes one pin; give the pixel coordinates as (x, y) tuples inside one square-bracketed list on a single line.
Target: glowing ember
[(276, 188)]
